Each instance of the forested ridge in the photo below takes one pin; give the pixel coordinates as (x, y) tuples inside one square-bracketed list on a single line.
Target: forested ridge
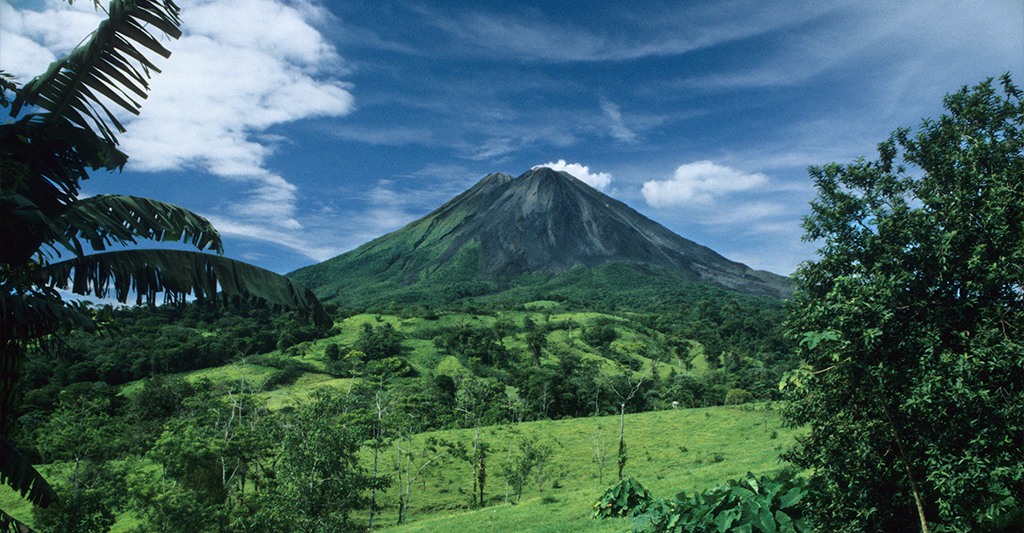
[(715, 346)]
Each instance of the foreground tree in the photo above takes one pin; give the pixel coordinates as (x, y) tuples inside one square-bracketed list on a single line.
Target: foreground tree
[(60, 128), (911, 322), (318, 480)]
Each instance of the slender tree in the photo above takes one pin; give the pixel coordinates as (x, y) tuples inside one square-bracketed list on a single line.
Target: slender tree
[(599, 446), (625, 386), (475, 396), (382, 406), (430, 453)]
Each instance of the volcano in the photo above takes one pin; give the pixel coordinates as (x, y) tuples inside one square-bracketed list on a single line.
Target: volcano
[(505, 232)]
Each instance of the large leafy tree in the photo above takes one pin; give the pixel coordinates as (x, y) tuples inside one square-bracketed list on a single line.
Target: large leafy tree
[(318, 481), (62, 125), (911, 322)]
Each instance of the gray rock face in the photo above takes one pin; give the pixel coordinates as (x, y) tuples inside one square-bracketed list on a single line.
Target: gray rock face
[(550, 221)]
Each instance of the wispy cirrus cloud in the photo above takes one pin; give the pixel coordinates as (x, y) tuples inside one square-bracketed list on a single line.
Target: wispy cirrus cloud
[(880, 40), (528, 35), (616, 123)]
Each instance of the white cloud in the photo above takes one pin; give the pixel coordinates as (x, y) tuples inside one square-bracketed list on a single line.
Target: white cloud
[(905, 46), (494, 148), (618, 126), (384, 135), (699, 183), (283, 237), (654, 32), (31, 40), (230, 78), (240, 68), (597, 180)]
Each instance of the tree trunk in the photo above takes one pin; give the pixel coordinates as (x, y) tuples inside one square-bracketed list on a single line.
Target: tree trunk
[(481, 474), (377, 430), (508, 462), (906, 465), (475, 461), (622, 438), (401, 496)]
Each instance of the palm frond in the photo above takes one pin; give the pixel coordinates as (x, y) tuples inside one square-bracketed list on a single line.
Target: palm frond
[(7, 83), (106, 219), (177, 274), (110, 64), (17, 472)]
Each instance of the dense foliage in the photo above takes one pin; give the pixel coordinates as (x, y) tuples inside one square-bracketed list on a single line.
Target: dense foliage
[(911, 322), (224, 462), (768, 504), (621, 499), (557, 364)]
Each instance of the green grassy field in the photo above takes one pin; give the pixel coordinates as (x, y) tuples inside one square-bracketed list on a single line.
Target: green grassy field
[(669, 452)]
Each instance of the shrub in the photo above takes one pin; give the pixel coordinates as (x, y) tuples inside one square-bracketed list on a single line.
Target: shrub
[(765, 504), (621, 499), (738, 396), (333, 352)]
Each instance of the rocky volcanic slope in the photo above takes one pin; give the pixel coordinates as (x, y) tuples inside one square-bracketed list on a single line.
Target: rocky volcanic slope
[(543, 221)]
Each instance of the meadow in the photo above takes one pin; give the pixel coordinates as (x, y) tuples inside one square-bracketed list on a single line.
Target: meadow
[(668, 451)]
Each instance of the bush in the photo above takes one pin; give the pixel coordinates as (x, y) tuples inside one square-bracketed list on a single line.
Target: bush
[(738, 396), (621, 499), (765, 504), (288, 371), (332, 352)]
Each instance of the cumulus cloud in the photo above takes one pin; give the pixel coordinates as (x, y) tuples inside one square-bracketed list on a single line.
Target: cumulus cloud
[(230, 79), (33, 39), (597, 180), (240, 68), (699, 183)]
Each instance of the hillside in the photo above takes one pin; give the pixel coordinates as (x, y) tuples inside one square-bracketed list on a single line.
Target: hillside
[(689, 450), (544, 231), (177, 381)]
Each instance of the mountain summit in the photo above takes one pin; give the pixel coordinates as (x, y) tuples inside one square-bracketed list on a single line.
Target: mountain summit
[(543, 223)]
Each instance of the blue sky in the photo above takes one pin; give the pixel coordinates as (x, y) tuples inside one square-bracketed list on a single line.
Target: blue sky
[(303, 129)]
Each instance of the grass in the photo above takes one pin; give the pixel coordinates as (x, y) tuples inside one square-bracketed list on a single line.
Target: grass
[(669, 452)]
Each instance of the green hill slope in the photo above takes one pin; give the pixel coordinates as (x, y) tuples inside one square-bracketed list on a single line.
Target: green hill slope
[(669, 452)]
